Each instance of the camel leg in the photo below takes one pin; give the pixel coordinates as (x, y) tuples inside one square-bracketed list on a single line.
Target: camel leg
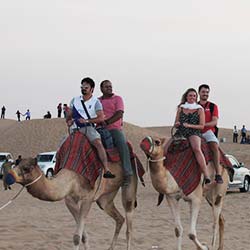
[(106, 202), (216, 226), (73, 207), (221, 232), (128, 202), (175, 209), (195, 204), (81, 233)]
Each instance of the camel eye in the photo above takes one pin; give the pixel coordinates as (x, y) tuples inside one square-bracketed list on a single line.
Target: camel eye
[(157, 142), (26, 169)]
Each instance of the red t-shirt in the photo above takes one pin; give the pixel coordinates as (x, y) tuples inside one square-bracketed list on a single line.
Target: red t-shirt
[(209, 116)]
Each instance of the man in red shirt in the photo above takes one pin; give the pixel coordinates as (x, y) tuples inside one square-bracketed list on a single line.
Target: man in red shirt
[(211, 119), (113, 108)]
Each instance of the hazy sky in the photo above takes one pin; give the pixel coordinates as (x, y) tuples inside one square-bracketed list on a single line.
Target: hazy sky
[(152, 51)]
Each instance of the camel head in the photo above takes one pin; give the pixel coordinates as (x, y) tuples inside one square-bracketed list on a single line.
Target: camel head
[(23, 173), (153, 147)]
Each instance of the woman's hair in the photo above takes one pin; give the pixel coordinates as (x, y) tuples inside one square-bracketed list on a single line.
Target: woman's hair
[(184, 96)]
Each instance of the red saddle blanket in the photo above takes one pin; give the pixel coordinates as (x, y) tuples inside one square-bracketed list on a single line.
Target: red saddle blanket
[(182, 164), (77, 154)]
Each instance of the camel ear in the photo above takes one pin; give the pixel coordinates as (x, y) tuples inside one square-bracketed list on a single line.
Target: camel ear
[(164, 141)]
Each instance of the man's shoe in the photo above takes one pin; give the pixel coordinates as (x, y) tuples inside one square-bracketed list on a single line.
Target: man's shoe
[(218, 179), (109, 175), (207, 181), (126, 180)]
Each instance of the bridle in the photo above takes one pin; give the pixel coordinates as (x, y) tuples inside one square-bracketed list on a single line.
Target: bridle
[(156, 160), (31, 183), (34, 181), (152, 146), (19, 192)]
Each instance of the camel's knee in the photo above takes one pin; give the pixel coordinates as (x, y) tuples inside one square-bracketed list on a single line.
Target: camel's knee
[(177, 232), (76, 239), (129, 205), (221, 220), (84, 239), (192, 237), (218, 200)]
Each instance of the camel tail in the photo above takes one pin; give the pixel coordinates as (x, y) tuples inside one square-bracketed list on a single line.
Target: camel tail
[(160, 199)]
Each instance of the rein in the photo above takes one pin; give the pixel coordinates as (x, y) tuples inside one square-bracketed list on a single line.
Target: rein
[(19, 192)]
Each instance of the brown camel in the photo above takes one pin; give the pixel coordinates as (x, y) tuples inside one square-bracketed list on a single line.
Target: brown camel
[(166, 185), (79, 196)]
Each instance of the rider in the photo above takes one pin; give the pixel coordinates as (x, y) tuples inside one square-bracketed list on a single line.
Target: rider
[(211, 119), (84, 112), (113, 108), (190, 120)]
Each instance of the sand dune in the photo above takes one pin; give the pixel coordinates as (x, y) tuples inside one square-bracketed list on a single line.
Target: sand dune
[(32, 224)]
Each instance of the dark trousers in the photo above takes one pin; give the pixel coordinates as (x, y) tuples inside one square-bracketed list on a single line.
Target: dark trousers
[(235, 138), (122, 147)]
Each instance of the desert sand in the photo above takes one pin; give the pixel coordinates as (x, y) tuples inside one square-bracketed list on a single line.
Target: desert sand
[(31, 224)]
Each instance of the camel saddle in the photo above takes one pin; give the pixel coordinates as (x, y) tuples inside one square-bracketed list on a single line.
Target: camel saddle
[(181, 163), (77, 154)]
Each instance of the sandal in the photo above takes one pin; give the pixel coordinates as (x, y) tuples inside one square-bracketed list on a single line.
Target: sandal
[(218, 179)]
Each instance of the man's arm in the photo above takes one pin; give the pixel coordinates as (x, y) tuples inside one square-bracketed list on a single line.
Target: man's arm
[(115, 117), (98, 119), (215, 117), (213, 122)]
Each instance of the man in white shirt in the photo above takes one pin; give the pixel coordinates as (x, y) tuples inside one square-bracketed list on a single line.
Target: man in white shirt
[(84, 112)]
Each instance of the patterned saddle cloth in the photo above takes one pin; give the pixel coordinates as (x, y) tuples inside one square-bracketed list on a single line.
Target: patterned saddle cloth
[(182, 164), (77, 154)]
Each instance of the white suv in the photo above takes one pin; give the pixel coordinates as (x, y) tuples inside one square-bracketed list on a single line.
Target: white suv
[(47, 162), (241, 178), (3, 157)]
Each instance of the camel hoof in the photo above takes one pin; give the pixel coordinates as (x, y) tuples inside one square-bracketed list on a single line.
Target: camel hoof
[(204, 247), (76, 240), (84, 240)]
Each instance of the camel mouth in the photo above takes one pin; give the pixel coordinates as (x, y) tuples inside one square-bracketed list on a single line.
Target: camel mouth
[(10, 179), (146, 145)]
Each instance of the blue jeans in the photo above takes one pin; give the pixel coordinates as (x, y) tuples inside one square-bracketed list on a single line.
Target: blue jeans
[(122, 147)]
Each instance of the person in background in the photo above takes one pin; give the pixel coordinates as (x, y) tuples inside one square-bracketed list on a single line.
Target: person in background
[(235, 134), (47, 116), (27, 114), (6, 167), (59, 110), (18, 160), (113, 108), (3, 112), (18, 114), (243, 135), (65, 110), (211, 119), (78, 117)]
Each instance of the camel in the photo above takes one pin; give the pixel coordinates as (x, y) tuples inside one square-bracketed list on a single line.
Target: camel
[(166, 185), (79, 196)]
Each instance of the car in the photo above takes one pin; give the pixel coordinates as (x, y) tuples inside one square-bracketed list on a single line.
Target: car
[(3, 157), (241, 178), (47, 161)]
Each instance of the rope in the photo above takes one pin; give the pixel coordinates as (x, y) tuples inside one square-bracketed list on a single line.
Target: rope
[(11, 200)]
